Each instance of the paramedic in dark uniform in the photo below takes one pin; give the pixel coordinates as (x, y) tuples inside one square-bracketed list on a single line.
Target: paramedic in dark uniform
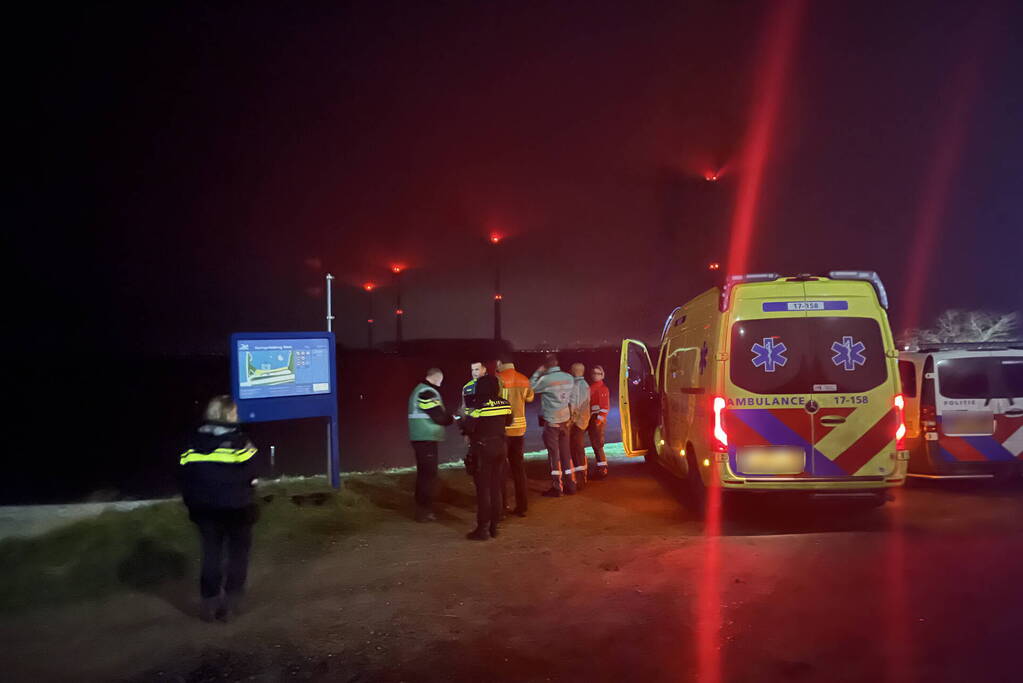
[(485, 427), (426, 421)]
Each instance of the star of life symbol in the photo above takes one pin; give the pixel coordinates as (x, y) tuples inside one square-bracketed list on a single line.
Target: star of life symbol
[(769, 355), (848, 354), (703, 357)]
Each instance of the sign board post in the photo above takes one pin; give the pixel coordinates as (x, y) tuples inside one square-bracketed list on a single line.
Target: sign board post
[(287, 376)]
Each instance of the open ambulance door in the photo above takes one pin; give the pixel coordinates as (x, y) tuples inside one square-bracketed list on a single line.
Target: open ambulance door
[(637, 399)]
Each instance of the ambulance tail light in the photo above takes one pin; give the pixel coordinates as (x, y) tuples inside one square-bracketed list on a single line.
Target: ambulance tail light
[(900, 416), (719, 444)]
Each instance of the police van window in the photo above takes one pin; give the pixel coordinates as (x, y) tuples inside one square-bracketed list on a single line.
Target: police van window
[(983, 377), (907, 374), (807, 355)]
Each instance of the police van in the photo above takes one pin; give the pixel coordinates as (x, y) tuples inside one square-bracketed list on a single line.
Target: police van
[(964, 410), (772, 383)]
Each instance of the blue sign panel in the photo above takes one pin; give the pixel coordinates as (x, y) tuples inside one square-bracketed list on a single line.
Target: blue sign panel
[(286, 376), (776, 306)]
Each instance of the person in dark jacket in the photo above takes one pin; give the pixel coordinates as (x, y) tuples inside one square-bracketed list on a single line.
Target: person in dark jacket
[(485, 426), (217, 481)]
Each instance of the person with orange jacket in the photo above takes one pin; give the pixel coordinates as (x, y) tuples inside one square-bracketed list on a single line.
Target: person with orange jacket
[(600, 403), (516, 390)]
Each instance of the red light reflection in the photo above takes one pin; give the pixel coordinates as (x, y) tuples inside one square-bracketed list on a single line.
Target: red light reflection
[(776, 52)]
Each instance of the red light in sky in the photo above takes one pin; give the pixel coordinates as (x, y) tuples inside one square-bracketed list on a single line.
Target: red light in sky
[(369, 286), (397, 268), (399, 312), (714, 266), (710, 176), (494, 238), (778, 46), (498, 297)]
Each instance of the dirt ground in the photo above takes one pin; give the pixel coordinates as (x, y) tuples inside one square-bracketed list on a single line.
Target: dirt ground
[(617, 583)]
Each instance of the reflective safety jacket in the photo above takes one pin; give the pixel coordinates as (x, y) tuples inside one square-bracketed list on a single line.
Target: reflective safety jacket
[(555, 390), (426, 414), (600, 401), (488, 421), (518, 393), (580, 403), (218, 469)]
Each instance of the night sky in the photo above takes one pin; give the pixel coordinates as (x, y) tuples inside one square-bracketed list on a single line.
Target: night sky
[(194, 170)]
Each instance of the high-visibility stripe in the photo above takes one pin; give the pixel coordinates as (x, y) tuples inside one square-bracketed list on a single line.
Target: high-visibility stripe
[(568, 471), (595, 408), (556, 473), (226, 455), (418, 416), (579, 468), (426, 405), (601, 464)]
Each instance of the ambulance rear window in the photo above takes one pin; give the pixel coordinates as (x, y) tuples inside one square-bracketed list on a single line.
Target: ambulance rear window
[(807, 355), (983, 377)]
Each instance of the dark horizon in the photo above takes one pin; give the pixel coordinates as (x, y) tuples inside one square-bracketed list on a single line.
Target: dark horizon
[(196, 170)]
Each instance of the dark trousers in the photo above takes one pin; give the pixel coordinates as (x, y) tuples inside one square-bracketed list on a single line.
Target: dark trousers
[(220, 531), (489, 480), (426, 472), (555, 437), (517, 467), (577, 445), (596, 433)]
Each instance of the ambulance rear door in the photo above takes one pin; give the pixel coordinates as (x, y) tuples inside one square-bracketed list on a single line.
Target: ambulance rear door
[(855, 380), (637, 398), (767, 420)]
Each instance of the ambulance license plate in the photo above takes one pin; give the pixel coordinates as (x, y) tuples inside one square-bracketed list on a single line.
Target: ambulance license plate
[(771, 460)]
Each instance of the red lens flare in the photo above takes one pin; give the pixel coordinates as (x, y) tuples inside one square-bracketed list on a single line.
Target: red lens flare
[(369, 286), (495, 238), (777, 48), (397, 268)]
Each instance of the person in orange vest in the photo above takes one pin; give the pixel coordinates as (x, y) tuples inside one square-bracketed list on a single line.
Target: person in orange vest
[(600, 402), (515, 390)]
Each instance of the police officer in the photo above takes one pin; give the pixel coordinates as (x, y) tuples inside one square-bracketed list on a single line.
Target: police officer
[(580, 405), (555, 389), (485, 425), (426, 421), (217, 480), (469, 401)]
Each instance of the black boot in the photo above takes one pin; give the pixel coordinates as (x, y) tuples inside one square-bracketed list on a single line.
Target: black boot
[(478, 534), (493, 529)]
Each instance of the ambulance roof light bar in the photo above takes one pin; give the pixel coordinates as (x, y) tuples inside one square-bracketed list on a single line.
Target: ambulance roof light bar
[(867, 275), (733, 280)]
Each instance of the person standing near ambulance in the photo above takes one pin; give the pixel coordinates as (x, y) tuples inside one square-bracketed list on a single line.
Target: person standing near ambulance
[(426, 421), (555, 389), (485, 425), (518, 393), (600, 402), (580, 405)]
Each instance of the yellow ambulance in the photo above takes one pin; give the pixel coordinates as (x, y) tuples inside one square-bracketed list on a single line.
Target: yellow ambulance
[(772, 383)]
